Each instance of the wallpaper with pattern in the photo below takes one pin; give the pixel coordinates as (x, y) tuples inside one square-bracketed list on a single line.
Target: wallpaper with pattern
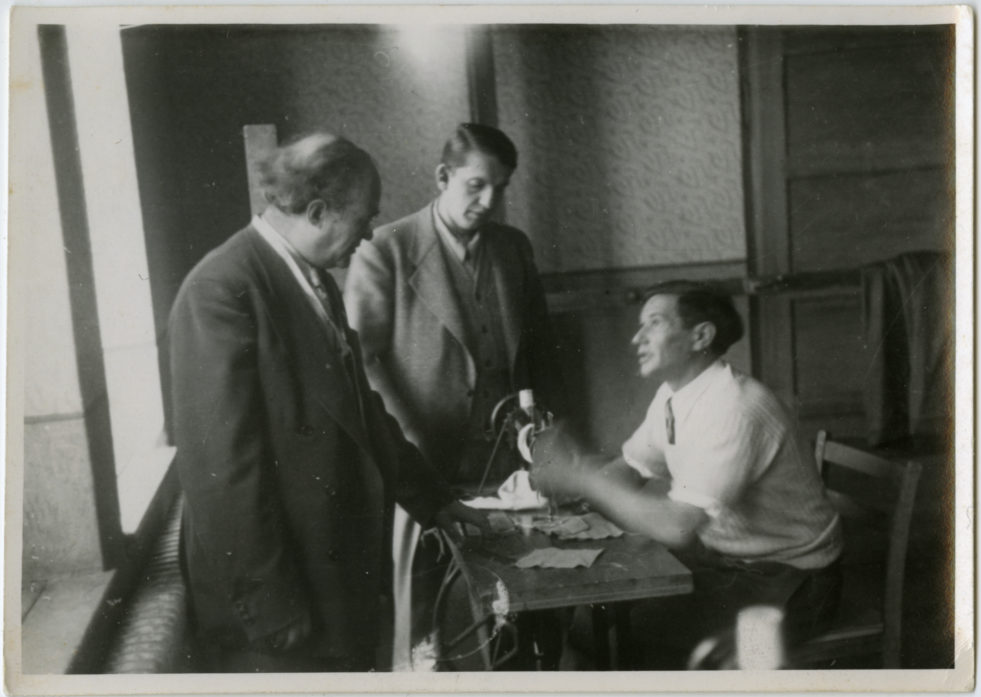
[(397, 94), (629, 143)]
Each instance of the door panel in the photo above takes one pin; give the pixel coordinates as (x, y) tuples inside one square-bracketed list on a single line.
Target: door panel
[(844, 220), (848, 136)]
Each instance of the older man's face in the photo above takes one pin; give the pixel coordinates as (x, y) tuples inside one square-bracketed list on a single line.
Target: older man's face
[(339, 233), (664, 344), (354, 223), (471, 192)]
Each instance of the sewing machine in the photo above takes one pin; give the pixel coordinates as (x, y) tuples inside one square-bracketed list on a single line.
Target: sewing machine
[(515, 420), (495, 613)]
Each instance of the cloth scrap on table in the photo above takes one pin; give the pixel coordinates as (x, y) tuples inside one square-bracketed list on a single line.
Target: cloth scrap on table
[(591, 526), (597, 528), (555, 558), (515, 494), (561, 527)]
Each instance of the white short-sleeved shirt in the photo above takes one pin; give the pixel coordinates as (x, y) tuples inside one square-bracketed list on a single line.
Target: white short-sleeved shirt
[(736, 456)]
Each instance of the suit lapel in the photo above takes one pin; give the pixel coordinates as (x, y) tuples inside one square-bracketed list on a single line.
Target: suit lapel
[(431, 279), (293, 316)]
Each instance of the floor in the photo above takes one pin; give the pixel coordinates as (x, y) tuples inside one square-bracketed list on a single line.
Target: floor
[(55, 615)]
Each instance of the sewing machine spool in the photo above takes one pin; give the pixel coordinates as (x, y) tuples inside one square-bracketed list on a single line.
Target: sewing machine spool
[(516, 417), (524, 441), (502, 412)]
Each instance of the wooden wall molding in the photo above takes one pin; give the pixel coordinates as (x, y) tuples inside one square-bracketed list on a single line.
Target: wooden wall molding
[(574, 291)]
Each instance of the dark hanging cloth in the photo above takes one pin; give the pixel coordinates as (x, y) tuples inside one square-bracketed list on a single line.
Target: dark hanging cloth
[(907, 305)]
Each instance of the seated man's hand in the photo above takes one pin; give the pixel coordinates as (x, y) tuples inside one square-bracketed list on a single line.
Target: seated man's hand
[(558, 462), (454, 514)]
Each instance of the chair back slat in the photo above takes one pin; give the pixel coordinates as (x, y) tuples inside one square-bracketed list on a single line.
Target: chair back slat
[(896, 566), (853, 458), (875, 498)]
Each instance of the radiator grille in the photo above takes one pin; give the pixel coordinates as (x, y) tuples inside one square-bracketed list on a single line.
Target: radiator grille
[(152, 636)]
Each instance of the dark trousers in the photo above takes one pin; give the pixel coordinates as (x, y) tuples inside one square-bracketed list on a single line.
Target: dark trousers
[(665, 631)]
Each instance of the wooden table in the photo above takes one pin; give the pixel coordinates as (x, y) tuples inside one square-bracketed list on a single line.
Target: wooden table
[(630, 567)]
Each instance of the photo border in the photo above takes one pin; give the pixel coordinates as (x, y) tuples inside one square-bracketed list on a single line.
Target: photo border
[(960, 678)]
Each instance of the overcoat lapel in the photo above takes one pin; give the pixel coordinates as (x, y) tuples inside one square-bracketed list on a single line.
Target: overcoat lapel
[(431, 279), (291, 313)]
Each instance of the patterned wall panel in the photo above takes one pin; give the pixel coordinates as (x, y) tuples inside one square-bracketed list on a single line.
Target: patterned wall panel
[(397, 94), (630, 143)]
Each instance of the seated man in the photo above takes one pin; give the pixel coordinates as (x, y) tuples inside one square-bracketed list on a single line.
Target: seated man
[(715, 472)]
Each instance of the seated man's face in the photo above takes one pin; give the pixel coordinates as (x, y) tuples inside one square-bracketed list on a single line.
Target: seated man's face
[(471, 192), (664, 344)]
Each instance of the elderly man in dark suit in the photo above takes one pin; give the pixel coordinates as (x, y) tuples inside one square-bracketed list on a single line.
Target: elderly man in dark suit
[(289, 463)]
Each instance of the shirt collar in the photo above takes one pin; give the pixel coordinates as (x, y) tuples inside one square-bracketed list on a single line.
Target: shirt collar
[(283, 246), (684, 399), (452, 242)]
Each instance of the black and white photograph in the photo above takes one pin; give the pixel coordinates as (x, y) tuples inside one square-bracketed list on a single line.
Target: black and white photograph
[(535, 348)]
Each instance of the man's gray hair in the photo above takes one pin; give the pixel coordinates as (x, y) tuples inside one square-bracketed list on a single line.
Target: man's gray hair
[(315, 166)]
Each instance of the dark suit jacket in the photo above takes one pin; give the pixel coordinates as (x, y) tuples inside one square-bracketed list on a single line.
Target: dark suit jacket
[(401, 301), (288, 493)]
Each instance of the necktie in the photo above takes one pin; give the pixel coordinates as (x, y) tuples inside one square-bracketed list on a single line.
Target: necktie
[(469, 260), (320, 288), (669, 421), (328, 291), (330, 296)]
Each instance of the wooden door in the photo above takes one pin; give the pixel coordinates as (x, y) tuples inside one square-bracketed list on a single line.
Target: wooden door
[(848, 134)]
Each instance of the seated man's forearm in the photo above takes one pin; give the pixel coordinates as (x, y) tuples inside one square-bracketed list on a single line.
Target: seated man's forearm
[(639, 505), (562, 467)]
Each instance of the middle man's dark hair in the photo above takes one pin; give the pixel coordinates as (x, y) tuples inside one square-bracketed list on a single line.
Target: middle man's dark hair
[(470, 137), (703, 302)]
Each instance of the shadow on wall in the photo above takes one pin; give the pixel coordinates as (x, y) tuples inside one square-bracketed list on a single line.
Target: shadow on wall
[(630, 164), (193, 88), (630, 143)]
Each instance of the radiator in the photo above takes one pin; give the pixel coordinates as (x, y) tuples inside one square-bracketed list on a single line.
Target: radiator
[(153, 636)]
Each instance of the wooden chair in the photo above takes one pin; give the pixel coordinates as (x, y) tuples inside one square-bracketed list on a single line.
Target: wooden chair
[(874, 497)]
